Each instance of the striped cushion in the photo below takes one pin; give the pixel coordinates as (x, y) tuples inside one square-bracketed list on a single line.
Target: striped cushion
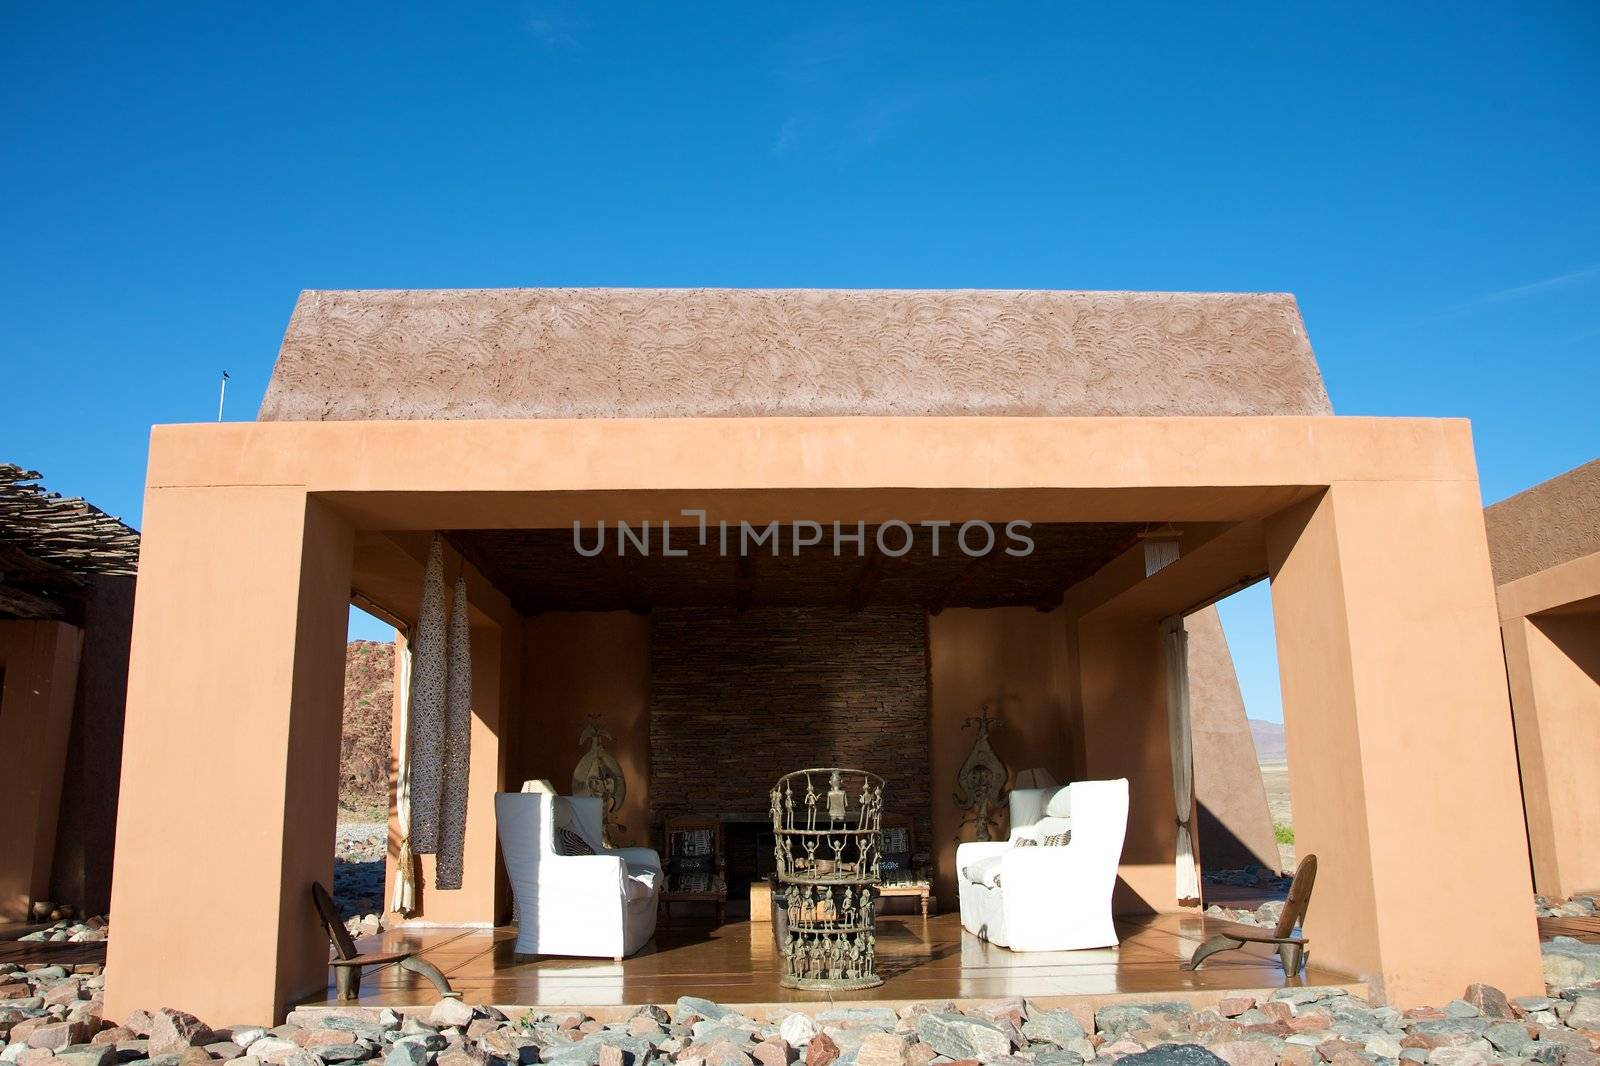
[(569, 842)]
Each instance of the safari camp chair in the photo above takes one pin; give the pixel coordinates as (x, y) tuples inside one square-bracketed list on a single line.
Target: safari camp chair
[(1292, 949), (347, 967)]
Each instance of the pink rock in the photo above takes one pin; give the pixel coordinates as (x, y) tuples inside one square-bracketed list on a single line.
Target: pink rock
[(1233, 1006), (773, 1051), (114, 1035), (1245, 1052), (15, 990), (173, 1032), (644, 1025), (139, 1022), (1277, 1010), (1490, 1001), (68, 991), (821, 1051), (34, 1057), (1297, 1055), (1121, 1048), (920, 1054), (57, 1035), (883, 1049), (325, 1038), (611, 1055)]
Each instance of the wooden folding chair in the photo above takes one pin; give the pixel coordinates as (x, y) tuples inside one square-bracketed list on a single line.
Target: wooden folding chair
[(347, 966), (1293, 950)]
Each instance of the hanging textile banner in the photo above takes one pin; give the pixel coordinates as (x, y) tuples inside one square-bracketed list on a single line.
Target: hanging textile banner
[(1181, 740), (457, 743), (404, 893), (427, 705)]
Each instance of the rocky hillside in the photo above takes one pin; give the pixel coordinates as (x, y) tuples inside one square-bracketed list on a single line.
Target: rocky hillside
[(364, 750)]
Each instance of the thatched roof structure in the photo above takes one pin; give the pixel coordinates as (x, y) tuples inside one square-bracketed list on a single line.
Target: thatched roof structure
[(662, 353), (51, 548)]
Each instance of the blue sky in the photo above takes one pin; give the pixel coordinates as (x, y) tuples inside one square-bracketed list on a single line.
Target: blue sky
[(1422, 177)]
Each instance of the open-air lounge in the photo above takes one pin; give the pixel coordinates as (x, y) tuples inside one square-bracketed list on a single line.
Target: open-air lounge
[(652, 551)]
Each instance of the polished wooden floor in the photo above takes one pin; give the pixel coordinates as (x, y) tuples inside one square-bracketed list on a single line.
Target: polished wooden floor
[(736, 964)]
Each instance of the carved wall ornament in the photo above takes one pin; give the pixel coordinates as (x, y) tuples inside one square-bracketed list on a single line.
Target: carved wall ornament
[(599, 774), (981, 781)]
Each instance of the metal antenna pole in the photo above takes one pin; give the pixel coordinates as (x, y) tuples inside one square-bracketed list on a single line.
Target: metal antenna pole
[(222, 395)]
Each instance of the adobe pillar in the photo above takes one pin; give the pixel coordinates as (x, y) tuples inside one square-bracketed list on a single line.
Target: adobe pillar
[(230, 758), (1401, 758)]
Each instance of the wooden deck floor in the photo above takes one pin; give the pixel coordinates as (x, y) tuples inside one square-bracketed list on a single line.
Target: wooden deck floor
[(735, 964)]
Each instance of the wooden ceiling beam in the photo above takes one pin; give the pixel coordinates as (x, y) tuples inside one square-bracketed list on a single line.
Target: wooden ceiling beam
[(866, 579), (744, 583), (941, 599)]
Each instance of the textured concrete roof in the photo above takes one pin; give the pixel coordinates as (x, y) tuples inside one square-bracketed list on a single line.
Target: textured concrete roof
[(1552, 523), (663, 353)]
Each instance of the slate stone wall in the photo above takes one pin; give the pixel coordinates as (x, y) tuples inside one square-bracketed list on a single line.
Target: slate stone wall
[(739, 699)]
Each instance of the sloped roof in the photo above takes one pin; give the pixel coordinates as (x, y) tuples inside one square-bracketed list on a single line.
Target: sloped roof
[(664, 353), (1554, 522), (51, 545)]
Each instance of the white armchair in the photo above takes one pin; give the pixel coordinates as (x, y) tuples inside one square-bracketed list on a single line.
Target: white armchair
[(1048, 898), (601, 905)]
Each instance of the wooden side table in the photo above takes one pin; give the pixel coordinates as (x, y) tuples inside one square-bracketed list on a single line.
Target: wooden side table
[(922, 890)]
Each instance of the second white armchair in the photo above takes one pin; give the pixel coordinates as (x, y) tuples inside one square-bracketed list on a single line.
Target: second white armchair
[(574, 896), (1036, 893)]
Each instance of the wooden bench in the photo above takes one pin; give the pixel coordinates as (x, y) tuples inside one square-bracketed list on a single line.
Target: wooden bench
[(348, 962)]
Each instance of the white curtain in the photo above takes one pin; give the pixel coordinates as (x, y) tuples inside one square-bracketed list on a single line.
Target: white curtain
[(1181, 741), (404, 893)]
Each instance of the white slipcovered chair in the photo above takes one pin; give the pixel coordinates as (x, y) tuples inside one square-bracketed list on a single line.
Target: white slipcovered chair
[(1043, 897), (601, 905)]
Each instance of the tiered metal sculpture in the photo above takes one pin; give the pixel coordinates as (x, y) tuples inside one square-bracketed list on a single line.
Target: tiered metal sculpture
[(827, 828)]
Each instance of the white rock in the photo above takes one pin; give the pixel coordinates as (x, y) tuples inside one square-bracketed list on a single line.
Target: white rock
[(247, 1035), (797, 1029)]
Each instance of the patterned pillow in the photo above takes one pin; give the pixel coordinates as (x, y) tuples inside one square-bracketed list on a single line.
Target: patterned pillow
[(1024, 842), (1057, 840), (569, 842)]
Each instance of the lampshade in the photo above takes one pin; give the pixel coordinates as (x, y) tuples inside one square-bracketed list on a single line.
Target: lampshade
[(1038, 777)]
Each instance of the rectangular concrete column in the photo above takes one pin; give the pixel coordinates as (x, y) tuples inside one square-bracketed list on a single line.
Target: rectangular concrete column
[(1122, 704), (231, 750), (1401, 758), (1553, 663), (40, 666)]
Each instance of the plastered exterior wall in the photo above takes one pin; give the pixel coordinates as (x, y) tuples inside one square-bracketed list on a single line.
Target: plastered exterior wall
[(1373, 535), (1234, 825), (578, 664), (40, 661), (1015, 657), (1554, 662), (1545, 543)]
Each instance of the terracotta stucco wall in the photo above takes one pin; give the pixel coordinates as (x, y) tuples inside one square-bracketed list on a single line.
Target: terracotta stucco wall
[(87, 831), (40, 661), (1017, 657), (246, 574), (577, 664), (1554, 666), (1545, 543), (1234, 825)]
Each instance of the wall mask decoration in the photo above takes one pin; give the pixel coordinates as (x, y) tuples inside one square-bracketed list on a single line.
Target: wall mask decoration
[(981, 781), (599, 774)]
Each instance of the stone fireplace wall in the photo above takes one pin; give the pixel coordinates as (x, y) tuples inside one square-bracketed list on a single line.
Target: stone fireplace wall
[(737, 699)]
